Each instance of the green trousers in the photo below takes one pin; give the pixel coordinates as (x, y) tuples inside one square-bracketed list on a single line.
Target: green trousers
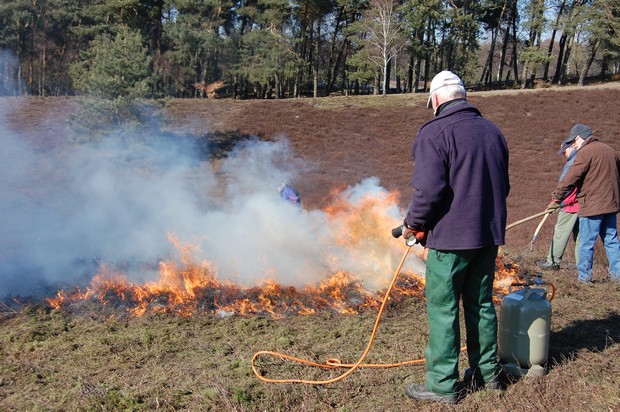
[(567, 226), (451, 276)]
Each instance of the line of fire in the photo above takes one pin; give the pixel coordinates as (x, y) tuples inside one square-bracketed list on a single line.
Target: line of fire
[(186, 285)]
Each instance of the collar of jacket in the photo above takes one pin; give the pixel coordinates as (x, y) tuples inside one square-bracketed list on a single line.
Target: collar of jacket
[(447, 106), (589, 140)]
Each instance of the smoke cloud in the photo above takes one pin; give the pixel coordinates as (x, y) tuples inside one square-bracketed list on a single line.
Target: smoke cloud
[(72, 208)]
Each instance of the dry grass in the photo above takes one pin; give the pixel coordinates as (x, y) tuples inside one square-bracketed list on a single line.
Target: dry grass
[(63, 361), (70, 361)]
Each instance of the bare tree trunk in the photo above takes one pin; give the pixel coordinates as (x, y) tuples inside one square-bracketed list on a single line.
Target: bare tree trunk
[(552, 40), (567, 53), (566, 41), (515, 39), (387, 75), (315, 83), (488, 65), (30, 75), (384, 70), (305, 38), (430, 40), (427, 67), (333, 62), (410, 72), (584, 72), (20, 87), (502, 57), (558, 65), (315, 63), (278, 86), (603, 64), (416, 75), (524, 76), (488, 68)]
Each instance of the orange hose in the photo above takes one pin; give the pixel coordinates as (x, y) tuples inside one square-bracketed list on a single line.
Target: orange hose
[(336, 363), (553, 289)]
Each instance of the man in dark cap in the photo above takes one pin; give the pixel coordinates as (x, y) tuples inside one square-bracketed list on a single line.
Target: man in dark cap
[(596, 174)]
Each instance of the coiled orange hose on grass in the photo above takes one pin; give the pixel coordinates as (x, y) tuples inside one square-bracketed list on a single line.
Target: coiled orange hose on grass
[(336, 363)]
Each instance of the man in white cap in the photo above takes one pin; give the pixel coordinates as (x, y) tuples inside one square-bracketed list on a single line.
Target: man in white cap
[(458, 211), (596, 173)]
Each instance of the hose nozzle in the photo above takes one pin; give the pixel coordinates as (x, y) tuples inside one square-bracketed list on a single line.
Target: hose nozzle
[(397, 231)]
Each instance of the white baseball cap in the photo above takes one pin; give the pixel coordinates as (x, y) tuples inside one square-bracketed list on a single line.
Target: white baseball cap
[(442, 79)]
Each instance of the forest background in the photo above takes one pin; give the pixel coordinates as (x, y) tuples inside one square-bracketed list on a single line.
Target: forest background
[(119, 49)]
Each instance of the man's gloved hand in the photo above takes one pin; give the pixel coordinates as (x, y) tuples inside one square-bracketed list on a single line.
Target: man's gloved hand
[(554, 205), (413, 236)]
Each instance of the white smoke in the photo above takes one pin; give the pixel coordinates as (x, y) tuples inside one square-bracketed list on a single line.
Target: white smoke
[(69, 209)]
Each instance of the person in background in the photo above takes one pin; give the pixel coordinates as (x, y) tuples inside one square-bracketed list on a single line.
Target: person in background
[(567, 225), (595, 171), (289, 194), (458, 211)]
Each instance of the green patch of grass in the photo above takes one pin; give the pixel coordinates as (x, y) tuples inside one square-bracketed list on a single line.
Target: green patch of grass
[(242, 396), (115, 399)]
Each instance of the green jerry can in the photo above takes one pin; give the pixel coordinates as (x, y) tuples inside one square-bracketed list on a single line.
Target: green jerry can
[(524, 327)]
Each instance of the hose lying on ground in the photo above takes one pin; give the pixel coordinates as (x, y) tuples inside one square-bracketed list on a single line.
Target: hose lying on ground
[(335, 363)]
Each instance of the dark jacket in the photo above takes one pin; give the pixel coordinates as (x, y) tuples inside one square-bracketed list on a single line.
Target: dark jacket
[(460, 179), (595, 173)]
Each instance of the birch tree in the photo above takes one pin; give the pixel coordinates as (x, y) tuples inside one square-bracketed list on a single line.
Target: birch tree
[(384, 38)]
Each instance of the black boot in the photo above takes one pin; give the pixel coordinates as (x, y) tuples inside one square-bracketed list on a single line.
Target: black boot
[(474, 382), (543, 264)]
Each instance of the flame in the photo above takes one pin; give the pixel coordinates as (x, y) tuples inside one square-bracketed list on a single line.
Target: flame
[(505, 274), (186, 286)]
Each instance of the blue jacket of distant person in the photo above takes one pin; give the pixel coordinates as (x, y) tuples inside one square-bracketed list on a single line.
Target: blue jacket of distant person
[(290, 195), (460, 179)]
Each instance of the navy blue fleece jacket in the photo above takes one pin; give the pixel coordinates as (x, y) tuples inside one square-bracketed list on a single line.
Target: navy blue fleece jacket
[(460, 180)]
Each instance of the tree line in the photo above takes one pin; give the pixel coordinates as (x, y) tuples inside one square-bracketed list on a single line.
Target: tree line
[(293, 48)]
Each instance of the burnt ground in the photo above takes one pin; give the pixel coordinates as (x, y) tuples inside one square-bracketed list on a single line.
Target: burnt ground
[(60, 361)]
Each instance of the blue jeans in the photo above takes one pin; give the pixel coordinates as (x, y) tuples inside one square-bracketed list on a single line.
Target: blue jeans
[(589, 229)]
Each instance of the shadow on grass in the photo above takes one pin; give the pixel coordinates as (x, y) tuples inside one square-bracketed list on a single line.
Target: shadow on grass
[(593, 335)]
